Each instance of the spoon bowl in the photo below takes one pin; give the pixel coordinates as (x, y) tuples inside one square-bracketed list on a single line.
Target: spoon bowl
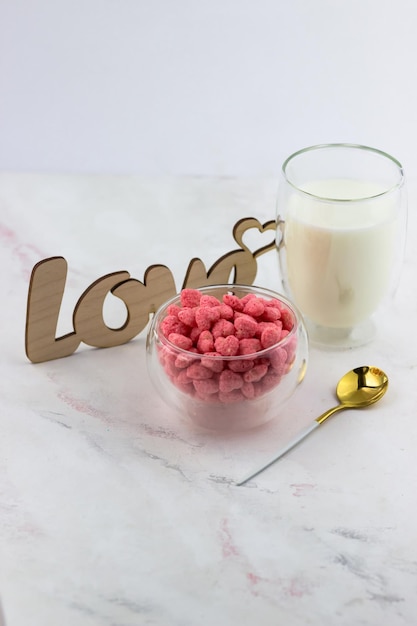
[(357, 389), (362, 386)]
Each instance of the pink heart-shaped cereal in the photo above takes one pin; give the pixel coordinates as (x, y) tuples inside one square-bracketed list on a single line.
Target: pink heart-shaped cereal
[(227, 346)]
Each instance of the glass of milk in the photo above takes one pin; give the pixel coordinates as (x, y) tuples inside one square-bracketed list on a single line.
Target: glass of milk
[(340, 237)]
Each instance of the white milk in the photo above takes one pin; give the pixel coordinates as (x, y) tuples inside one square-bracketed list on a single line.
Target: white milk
[(339, 256)]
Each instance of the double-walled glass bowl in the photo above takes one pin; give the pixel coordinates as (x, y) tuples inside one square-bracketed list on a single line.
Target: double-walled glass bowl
[(259, 382)]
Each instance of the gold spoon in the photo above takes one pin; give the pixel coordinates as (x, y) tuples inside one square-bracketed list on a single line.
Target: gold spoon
[(357, 389)]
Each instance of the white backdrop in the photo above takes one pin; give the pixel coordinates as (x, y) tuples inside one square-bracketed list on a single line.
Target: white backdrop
[(209, 87)]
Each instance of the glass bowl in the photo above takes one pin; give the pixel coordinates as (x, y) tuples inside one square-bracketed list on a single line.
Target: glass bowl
[(228, 391)]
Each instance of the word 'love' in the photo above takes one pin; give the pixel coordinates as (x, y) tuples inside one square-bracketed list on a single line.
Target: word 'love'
[(47, 284)]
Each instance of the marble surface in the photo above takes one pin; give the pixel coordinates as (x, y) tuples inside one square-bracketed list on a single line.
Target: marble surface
[(115, 513)]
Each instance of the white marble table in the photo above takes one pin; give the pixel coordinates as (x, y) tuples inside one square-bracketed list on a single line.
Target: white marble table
[(113, 513)]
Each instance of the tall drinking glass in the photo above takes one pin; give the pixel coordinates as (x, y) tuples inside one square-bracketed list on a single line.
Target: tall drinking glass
[(341, 232)]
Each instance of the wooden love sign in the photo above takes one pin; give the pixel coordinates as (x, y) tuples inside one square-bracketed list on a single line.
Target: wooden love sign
[(47, 284)]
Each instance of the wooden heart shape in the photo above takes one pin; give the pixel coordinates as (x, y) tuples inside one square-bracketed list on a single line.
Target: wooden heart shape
[(247, 224)]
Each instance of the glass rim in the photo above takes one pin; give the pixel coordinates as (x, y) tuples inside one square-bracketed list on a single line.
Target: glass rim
[(353, 146)]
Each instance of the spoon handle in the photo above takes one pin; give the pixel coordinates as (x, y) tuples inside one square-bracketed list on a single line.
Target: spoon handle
[(281, 453), (293, 442)]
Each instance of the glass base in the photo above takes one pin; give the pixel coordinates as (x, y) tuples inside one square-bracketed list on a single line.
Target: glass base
[(340, 338)]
